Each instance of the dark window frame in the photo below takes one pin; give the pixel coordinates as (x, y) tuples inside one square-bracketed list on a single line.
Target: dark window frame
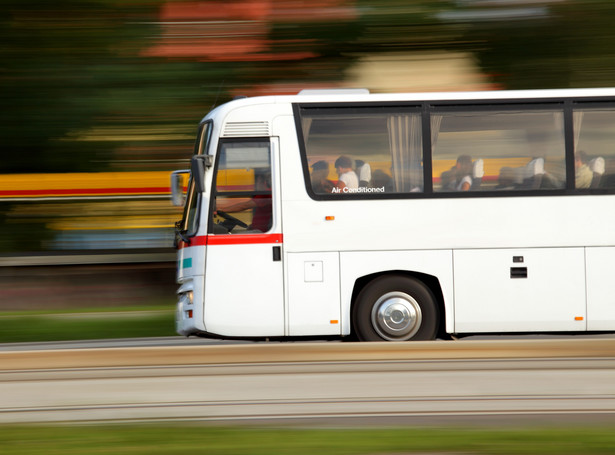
[(426, 108), (361, 108)]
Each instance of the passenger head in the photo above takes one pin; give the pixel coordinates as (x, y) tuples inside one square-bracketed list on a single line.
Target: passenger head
[(320, 170), (343, 164), (320, 166), (464, 164), (580, 158)]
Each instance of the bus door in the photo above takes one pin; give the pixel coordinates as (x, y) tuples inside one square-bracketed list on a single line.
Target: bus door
[(244, 293)]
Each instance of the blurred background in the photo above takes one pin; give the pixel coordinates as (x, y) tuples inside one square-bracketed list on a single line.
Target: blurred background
[(101, 99)]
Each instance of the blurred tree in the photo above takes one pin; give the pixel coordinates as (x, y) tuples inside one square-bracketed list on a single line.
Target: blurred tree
[(562, 44), (96, 85), (60, 62)]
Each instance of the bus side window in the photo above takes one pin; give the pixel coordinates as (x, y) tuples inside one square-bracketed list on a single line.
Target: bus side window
[(506, 138), (385, 146), (594, 136)]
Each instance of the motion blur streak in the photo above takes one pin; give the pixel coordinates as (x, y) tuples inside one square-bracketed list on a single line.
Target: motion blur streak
[(313, 381), (105, 88)]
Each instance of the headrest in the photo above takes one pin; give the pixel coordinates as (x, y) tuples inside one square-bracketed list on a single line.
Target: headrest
[(535, 167), (477, 169), (597, 165)]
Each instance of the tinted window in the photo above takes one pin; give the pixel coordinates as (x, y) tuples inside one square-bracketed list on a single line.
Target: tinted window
[(594, 151), (498, 150), (363, 151)]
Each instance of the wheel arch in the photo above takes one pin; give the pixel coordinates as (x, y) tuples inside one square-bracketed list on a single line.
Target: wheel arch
[(432, 282)]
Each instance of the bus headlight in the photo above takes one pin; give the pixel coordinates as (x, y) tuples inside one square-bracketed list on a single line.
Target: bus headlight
[(186, 298)]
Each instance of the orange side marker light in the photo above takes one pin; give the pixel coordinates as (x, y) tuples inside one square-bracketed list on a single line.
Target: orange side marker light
[(334, 321), (578, 318), (329, 218)]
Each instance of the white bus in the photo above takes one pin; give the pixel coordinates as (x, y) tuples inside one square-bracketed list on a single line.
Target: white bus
[(400, 216)]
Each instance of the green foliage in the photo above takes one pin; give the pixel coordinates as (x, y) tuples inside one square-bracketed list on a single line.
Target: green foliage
[(70, 66), (35, 327), (81, 93), (54, 79), (175, 439), (571, 45)]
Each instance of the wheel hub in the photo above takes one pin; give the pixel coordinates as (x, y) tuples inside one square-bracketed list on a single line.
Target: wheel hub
[(396, 316)]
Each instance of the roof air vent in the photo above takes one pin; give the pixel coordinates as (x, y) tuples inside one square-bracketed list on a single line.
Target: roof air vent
[(246, 129), (335, 91)]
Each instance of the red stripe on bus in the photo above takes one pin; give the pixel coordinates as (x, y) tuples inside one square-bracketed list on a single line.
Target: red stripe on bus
[(243, 239), (232, 239)]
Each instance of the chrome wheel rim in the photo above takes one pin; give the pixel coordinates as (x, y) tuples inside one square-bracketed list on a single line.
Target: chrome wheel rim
[(396, 316)]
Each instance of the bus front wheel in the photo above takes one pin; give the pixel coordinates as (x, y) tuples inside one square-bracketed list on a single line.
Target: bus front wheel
[(395, 308)]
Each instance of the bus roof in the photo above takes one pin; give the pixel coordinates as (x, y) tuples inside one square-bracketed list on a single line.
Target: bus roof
[(362, 95)]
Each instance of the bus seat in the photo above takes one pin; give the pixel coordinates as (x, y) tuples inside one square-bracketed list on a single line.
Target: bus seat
[(597, 166), (364, 172), (477, 174), (534, 171)]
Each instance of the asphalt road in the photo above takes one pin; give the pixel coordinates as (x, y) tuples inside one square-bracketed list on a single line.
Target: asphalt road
[(315, 383)]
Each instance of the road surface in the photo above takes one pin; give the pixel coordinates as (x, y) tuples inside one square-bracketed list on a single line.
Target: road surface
[(571, 379)]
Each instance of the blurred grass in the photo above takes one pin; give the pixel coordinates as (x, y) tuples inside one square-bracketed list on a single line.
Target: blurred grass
[(90, 324), (175, 439)]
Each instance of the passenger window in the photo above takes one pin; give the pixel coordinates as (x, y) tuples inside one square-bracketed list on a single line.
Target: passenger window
[(243, 203), (497, 150), (594, 136), (363, 151)]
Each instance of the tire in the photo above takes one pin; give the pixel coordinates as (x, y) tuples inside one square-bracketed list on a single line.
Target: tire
[(395, 308)]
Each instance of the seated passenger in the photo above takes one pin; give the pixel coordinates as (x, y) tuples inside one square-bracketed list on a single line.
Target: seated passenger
[(533, 174), (320, 183), (347, 177), (381, 179), (583, 175), (459, 177)]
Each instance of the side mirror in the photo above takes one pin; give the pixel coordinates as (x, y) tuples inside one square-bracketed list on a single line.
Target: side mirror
[(198, 165), (178, 186)]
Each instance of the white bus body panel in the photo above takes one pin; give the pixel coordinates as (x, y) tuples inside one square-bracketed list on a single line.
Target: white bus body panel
[(244, 291), (313, 294), (489, 299), (600, 288)]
